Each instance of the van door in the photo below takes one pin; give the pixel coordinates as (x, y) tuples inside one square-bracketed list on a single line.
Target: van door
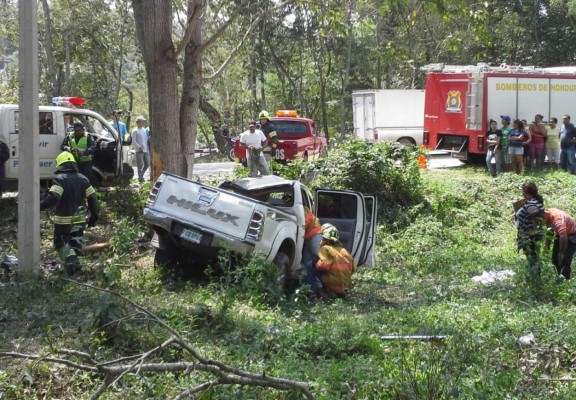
[(363, 115), (349, 212), (48, 142), (107, 162)]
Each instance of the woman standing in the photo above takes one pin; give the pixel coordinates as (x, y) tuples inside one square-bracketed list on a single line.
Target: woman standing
[(494, 154), (530, 223), (516, 145)]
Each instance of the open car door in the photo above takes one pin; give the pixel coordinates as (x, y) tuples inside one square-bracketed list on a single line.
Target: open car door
[(354, 215)]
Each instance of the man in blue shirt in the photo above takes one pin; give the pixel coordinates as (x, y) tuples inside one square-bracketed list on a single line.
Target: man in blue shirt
[(567, 146), (119, 125), (124, 136)]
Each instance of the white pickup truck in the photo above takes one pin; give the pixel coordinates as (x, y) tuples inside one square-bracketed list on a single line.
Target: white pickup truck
[(193, 221)]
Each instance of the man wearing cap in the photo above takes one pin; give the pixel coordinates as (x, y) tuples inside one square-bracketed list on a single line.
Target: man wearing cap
[(83, 147), (68, 195), (504, 142), (253, 141), (141, 148), (567, 145)]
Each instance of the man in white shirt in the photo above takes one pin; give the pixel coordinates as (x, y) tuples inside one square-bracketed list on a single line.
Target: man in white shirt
[(254, 140), (140, 143)]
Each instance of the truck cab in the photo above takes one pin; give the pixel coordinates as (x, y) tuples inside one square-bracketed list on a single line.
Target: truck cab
[(108, 166), (193, 222), (297, 136)]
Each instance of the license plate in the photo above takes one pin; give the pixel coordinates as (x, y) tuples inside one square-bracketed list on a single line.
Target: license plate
[(191, 236)]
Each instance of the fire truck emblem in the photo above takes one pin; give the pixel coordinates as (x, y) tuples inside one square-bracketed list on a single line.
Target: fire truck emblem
[(453, 102)]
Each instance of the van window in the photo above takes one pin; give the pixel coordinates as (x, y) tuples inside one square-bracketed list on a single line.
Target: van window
[(45, 122), (93, 126)]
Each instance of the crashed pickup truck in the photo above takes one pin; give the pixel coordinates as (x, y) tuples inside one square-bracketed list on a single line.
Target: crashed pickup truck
[(193, 222)]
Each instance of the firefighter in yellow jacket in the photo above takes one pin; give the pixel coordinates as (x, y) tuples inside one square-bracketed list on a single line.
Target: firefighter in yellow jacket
[(335, 265), (68, 195)]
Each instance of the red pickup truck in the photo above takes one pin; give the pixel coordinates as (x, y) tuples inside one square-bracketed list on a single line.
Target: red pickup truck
[(298, 139)]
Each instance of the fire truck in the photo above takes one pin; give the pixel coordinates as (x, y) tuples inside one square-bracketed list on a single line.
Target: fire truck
[(297, 136), (461, 100)]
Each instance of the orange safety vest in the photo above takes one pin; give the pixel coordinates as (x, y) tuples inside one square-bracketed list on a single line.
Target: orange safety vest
[(312, 225)]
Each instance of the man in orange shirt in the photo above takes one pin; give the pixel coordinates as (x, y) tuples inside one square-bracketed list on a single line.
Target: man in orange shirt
[(564, 227)]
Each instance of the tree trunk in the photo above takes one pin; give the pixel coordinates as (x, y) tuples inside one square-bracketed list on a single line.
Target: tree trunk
[(192, 82), (48, 49), (154, 31)]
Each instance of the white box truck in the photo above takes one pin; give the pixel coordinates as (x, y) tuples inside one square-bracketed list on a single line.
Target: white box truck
[(395, 115)]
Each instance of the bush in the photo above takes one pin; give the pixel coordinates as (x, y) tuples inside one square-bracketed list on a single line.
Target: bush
[(387, 170)]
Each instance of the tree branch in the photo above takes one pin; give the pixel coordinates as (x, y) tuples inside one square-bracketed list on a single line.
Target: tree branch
[(233, 53), (188, 34), (113, 371)]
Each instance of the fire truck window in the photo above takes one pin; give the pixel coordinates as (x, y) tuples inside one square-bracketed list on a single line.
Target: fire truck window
[(46, 124)]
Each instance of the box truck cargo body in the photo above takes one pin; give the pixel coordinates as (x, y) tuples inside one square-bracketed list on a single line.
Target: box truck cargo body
[(392, 115)]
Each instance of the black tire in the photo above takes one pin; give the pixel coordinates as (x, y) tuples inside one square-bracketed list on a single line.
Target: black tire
[(230, 154), (305, 157), (282, 262), (166, 259), (406, 141)]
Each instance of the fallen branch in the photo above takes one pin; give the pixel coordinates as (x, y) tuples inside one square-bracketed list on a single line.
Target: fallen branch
[(415, 337), (113, 371), (557, 379), (92, 248)]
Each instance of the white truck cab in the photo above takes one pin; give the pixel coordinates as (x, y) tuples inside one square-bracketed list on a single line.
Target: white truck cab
[(108, 165)]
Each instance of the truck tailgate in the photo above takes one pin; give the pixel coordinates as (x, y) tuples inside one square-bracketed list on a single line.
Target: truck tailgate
[(205, 207)]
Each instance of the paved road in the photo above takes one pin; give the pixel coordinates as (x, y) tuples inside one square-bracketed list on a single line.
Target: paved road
[(218, 168)]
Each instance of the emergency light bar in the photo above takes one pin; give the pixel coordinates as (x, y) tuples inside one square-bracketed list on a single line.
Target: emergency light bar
[(287, 113), (68, 101)]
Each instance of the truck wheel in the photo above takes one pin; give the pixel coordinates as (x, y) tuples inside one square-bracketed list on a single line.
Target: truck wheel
[(282, 262), (166, 258), (406, 142), (231, 154), (305, 158)]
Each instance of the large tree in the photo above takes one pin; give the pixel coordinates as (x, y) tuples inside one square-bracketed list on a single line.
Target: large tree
[(174, 118)]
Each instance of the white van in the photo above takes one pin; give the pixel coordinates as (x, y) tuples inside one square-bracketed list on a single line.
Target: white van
[(108, 165)]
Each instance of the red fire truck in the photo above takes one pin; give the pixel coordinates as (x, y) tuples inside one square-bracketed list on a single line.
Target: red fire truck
[(297, 138), (460, 100)]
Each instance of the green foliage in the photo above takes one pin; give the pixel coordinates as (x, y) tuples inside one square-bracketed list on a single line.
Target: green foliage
[(422, 285), (128, 201), (387, 170), (250, 278)]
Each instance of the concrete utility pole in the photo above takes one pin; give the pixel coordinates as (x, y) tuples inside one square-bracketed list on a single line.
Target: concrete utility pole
[(28, 175)]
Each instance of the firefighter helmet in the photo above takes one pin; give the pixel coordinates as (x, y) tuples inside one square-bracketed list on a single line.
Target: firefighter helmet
[(64, 157), (264, 115), (329, 232)]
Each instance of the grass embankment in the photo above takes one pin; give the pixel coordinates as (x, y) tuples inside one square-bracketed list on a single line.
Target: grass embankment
[(422, 285)]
